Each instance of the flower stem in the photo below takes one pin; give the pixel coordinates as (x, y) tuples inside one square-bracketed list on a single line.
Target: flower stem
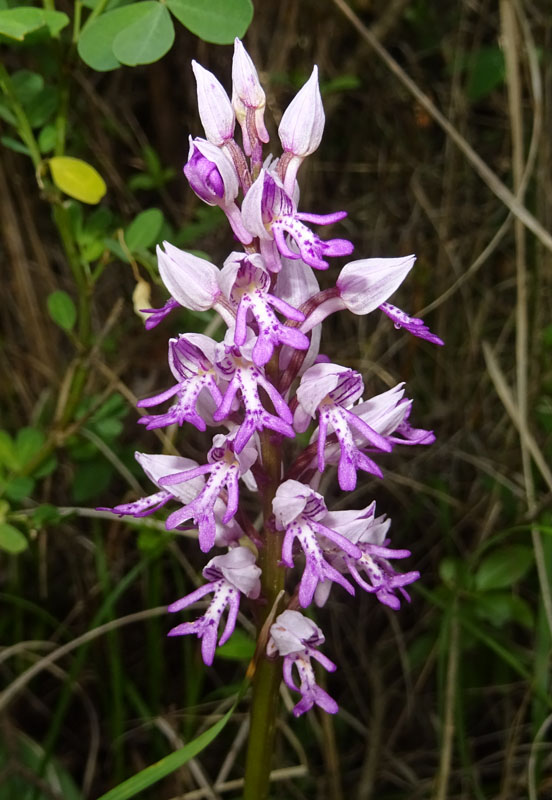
[(266, 681)]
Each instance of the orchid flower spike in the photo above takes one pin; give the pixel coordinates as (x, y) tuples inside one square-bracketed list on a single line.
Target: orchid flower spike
[(262, 381)]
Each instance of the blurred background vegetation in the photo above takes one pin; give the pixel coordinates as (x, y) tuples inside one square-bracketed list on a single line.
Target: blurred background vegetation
[(450, 697)]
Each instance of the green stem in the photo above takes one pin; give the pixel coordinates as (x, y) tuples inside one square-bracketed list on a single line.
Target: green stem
[(23, 126), (266, 680), (77, 21)]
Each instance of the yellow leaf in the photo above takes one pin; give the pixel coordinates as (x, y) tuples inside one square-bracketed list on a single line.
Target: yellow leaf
[(77, 179)]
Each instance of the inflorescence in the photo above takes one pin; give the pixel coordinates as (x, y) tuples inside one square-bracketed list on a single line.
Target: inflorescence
[(267, 378)]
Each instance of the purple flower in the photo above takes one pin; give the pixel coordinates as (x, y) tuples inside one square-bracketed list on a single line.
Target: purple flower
[(363, 286), (229, 576), (269, 213), (298, 510), (369, 534), (301, 129), (192, 281), (224, 468), (244, 376), (215, 109), (191, 360), (294, 637), (248, 101), (331, 391), (413, 325), (159, 314), (156, 467), (246, 283), (213, 177)]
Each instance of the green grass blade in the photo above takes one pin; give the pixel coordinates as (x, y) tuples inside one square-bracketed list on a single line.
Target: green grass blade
[(155, 772)]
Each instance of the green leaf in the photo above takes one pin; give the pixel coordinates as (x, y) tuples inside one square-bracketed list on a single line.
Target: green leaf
[(7, 451), (153, 541), (11, 539), (90, 237), (154, 773), (46, 467), (216, 21), (39, 101), (15, 145), (503, 567), (18, 488), (96, 41), (62, 309), (27, 444), (114, 247), (16, 23), (7, 115), (342, 83), (147, 39), (144, 230), (54, 780), (486, 71), (42, 107), (114, 406), (110, 5), (47, 138), (44, 514), (240, 647), (77, 179), (499, 608), (92, 479), (26, 85)]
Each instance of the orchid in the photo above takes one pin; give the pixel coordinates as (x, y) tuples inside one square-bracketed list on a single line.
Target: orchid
[(294, 637), (262, 383), (229, 577)]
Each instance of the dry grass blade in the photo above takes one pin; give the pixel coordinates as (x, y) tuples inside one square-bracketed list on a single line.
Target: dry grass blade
[(22, 680), (487, 175), (520, 422)]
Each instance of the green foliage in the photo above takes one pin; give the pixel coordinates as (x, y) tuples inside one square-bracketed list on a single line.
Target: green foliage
[(154, 176), (153, 774), (143, 231), (218, 21), (11, 540), (21, 783), (504, 567), (147, 39), (240, 647), (17, 23), (141, 33), (62, 309), (485, 72)]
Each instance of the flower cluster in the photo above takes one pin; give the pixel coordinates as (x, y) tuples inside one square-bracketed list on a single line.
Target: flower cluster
[(266, 381)]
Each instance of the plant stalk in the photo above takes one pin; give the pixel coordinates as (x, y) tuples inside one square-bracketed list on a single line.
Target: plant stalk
[(266, 680)]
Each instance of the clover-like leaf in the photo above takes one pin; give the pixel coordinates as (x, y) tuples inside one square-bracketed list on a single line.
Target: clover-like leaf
[(216, 21), (11, 539), (78, 179), (147, 39), (62, 309), (16, 23), (144, 229)]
